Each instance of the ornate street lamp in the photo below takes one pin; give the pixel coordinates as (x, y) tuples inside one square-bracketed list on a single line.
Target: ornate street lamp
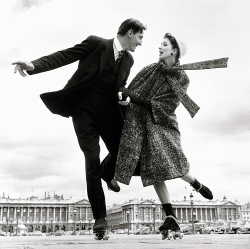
[(153, 206), (89, 225), (51, 225), (192, 215), (80, 225), (74, 221), (17, 212), (11, 228), (128, 219)]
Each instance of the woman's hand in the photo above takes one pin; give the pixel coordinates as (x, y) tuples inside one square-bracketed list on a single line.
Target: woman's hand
[(125, 102)]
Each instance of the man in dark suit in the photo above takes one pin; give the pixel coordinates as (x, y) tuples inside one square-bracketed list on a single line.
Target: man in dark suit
[(91, 98)]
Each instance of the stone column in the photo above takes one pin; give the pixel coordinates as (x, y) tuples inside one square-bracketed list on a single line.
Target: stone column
[(8, 212), (41, 214), (211, 214), (1, 215), (80, 213), (66, 214), (14, 214), (181, 214), (54, 214), (206, 213), (60, 214), (47, 215), (227, 213), (34, 214), (28, 216), (201, 214), (187, 214), (21, 214)]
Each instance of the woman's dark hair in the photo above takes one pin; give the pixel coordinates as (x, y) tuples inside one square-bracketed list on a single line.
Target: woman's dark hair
[(173, 43), (132, 24)]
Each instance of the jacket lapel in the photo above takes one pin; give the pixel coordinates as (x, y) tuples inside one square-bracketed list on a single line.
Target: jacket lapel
[(124, 69), (105, 55)]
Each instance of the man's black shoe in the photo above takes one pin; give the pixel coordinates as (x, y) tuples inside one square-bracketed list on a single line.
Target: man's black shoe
[(100, 225), (113, 185)]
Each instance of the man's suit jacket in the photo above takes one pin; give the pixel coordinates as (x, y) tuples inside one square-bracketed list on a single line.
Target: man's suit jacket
[(93, 54)]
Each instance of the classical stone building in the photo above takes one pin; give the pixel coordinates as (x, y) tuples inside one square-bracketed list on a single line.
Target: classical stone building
[(46, 215), (245, 211), (136, 213)]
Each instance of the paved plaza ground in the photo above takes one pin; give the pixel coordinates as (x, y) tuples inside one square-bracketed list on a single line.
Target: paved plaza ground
[(118, 241)]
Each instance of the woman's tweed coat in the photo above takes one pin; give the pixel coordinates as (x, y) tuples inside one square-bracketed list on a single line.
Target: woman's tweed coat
[(151, 139)]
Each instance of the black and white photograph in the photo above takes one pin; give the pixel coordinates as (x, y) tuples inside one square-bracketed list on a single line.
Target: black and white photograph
[(125, 124)]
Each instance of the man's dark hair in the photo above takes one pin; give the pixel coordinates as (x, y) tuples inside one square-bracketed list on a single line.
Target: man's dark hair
[(133, 24)]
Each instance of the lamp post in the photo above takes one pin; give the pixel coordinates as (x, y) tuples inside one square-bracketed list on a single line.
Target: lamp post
[(51, 225), (11, 228), (17, 212), (74, 221), (89, 225), (7, 226), (128, 219), (192, 215), (153, 206)]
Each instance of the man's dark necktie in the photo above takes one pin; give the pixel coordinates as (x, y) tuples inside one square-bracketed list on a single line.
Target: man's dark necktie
[(119, 58)]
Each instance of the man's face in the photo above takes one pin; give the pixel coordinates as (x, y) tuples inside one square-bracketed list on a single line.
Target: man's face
[(135, 39)]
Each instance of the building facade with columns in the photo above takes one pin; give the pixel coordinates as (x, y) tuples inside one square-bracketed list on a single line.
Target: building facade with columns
[(136, 213), (245, 211), (46, 215)]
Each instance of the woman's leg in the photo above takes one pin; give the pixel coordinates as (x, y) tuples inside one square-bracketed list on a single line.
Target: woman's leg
[(171, 222), (201, 188), (162, 192), (188, 178)]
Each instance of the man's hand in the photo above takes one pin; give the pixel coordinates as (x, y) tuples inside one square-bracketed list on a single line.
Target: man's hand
[(23, 65)]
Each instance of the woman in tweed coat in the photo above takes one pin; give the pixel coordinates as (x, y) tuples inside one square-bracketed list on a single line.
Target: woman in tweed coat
[(150, 145)]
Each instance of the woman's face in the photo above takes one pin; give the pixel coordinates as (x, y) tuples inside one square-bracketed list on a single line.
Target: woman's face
[(165, 49)]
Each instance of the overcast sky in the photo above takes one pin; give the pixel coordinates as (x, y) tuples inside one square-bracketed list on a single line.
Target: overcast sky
[(38, 150)]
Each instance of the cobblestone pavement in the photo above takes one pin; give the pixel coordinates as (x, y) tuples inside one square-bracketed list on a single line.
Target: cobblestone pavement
[(123, 241)]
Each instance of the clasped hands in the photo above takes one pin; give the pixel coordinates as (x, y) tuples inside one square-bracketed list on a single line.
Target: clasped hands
[(124, 99)]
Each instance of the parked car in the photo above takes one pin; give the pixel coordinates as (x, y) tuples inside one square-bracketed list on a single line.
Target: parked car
[(59, 233), (225, 227), (210, 229), (145, 230), (119, 231), (244, 228), (87, 232), (199, 227), (139, 230), (81, 232), (234, 228), (35, 233), (2, 233), (186, 228), (126, 231)]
